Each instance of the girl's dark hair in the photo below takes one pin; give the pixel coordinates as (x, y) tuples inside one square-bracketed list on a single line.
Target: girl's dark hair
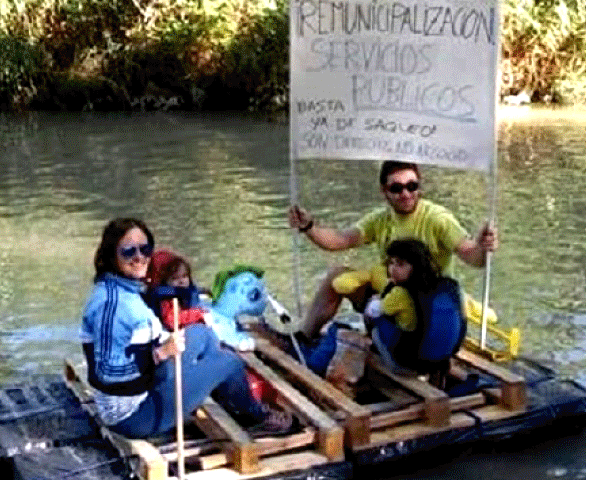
[(170, 269), (390, 166), (105, 259), (425, 273)]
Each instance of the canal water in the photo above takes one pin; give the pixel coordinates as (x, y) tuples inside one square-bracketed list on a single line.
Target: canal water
[(216, 188)]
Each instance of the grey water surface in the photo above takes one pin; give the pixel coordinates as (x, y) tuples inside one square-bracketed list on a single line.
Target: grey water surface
[(216, 187)]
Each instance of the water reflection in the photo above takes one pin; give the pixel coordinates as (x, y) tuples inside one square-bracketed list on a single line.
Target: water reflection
[(217, 187)]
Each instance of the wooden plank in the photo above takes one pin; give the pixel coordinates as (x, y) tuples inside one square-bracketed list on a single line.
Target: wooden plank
[(152, 465), (270, 445), (420, 388), (512, 385), (332, 395), (385, 407), (268, 466), (494, 369), (436, 402), (490, 413), (411, 431), (171, 455), (356, 421), (468, 401), (79, 387), (215, 422), (396, 395), (389, 419), (330, 436), (266, 446), (417, 412), (214, 461), (458, 371)]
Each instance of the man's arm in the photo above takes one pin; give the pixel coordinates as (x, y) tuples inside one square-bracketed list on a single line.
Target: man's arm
[(324, 237), (473, 252)]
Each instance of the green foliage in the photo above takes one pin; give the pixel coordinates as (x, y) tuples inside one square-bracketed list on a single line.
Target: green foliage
[(544, 48), (230, 53), (257, 58), (20, 64)]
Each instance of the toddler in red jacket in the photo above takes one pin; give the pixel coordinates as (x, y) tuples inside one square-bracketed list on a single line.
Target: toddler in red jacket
[(169, 276)]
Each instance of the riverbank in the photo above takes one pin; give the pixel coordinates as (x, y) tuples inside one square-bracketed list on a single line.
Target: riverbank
[(108, 55)]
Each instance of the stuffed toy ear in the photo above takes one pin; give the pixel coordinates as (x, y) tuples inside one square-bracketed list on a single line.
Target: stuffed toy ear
[(224, 275)]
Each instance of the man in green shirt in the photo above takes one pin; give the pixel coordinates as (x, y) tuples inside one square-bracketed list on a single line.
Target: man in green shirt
[(405, 215)]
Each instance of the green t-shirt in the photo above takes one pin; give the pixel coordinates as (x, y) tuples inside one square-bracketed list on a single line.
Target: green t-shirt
[(431, 223)]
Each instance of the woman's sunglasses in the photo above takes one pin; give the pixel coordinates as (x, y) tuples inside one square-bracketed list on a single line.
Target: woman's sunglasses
[(399, 187), (129, 251)]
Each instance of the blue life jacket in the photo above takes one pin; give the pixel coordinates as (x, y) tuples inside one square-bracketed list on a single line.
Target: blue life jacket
[(439, 332)]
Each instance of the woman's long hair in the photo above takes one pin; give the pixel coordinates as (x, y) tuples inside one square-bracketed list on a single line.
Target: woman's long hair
[(425, 273), (105, 259)]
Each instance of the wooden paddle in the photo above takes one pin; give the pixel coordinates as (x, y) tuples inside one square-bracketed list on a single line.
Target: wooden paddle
[(178, 384)]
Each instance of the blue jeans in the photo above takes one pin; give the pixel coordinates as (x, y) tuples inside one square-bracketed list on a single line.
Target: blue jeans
[(206, 369), (318, 356), (386, 337)]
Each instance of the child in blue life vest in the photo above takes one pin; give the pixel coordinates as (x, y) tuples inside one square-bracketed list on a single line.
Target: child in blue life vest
[(417, 321), (168, 277)]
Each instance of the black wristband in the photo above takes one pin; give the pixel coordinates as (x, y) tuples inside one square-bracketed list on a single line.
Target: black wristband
[(307, 227)]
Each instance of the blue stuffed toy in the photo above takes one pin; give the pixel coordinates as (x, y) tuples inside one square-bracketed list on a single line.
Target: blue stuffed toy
[(236, 292)]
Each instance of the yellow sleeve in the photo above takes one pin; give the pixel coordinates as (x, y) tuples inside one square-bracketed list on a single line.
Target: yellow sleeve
[(348, 282), (399, 304), (379, 278)]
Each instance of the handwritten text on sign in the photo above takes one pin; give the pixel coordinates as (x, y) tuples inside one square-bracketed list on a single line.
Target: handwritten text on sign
[(380, 80)]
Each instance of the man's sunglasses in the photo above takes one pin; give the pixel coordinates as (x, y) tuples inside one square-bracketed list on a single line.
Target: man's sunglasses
[(129, 251), (399, 187)]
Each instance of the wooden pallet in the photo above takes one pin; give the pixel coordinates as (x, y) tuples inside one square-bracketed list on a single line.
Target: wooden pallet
[(229, 451), (436, 412), (354, 417), (409, 408), (413, 407)]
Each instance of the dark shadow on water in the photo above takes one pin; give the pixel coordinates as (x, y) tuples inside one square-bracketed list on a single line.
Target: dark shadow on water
[(558, 451)]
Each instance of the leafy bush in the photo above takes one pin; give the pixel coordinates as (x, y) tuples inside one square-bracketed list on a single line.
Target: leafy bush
[(544, 48), (228, 53), (257, 59), (20, 64)]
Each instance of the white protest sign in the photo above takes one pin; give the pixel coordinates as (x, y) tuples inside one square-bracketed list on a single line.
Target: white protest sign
[(409, 80)]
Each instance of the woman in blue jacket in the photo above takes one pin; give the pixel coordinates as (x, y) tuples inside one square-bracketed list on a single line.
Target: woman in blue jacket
[(129, 354)]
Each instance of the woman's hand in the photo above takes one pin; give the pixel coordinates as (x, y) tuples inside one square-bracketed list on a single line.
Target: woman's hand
[(175, 345)]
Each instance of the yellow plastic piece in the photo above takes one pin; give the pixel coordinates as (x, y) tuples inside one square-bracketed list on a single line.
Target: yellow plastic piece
[(511, 339), (514, 341), (473, 311)]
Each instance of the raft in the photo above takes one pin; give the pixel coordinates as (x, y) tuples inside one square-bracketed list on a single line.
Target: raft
[(49, 428)]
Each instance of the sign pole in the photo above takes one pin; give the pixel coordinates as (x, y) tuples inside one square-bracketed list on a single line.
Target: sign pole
[(293, 155), (178, 395), (493, 177), (488, 262), (294, 235)]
